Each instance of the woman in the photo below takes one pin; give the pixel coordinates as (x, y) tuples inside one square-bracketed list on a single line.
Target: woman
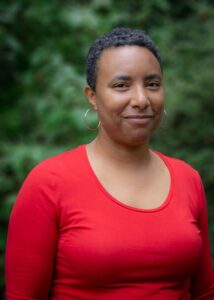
[(113, 219)]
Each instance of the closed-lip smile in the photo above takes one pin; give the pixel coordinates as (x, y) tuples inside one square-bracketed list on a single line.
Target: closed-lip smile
[(138, 116), (139, 119)]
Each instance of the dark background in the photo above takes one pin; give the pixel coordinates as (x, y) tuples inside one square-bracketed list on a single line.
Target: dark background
[(43, 45)]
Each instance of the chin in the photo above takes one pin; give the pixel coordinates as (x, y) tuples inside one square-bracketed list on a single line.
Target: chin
[(134, 141), (140, 138)]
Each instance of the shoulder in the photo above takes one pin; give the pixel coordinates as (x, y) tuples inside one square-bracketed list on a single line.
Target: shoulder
[(72, 155), (44, 181), (50, 171), (186, 180), (181, 170), (65, 160), (178, 164)]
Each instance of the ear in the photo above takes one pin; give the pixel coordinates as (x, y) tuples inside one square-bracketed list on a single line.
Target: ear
[(92, 98)]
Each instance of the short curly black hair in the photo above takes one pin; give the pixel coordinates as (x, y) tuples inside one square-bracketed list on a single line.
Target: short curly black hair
[(116, 38)]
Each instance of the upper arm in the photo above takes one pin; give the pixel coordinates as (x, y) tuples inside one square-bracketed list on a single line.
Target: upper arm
[(202, 282), (32, 238)]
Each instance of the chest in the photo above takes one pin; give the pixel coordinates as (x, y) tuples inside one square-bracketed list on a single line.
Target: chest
[(138, 191), (139, 185), (102, 241)]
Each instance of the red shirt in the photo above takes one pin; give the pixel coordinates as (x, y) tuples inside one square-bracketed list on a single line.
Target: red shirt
[(69, 238)]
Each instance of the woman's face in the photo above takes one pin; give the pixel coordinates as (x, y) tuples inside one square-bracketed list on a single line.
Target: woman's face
[(129, 95)]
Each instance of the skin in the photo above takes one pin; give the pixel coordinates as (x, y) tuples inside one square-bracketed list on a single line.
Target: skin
[(129, 100)]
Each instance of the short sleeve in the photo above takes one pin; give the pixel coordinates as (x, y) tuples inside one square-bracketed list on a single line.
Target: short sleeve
[(202, 283), (32, 237)]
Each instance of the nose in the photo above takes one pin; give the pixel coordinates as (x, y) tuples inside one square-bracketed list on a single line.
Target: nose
[(139, 97)]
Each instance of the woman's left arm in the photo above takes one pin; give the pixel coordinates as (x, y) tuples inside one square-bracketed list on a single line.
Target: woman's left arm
[(202, 283)]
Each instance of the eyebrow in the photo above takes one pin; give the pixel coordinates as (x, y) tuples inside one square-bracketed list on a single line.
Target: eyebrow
[(153, 76), (128, 78), (147, 77), (123, 77)]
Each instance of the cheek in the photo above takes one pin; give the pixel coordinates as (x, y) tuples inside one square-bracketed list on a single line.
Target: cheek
[(158, 102), (111, 104)]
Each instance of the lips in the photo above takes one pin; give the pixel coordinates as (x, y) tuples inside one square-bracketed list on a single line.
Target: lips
[(139, 117)]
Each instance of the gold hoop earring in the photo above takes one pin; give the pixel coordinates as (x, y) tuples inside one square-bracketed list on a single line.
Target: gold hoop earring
[(86, 124), (164, 121)]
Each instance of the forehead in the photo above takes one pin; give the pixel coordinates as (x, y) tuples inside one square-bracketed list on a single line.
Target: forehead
[(127, 59)]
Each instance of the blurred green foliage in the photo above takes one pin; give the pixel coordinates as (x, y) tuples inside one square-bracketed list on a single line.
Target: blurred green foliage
[(43, 45)]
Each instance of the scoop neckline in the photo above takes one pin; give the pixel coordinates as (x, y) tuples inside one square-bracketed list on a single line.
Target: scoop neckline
[(163, 205)]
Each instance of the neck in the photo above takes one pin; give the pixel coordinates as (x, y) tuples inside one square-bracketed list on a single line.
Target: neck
[(129, 155)]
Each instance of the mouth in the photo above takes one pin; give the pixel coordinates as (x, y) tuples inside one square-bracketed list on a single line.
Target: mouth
[(139, 117)]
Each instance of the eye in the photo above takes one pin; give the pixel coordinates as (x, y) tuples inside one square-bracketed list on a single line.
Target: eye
[(121, 85), (154, 85)]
